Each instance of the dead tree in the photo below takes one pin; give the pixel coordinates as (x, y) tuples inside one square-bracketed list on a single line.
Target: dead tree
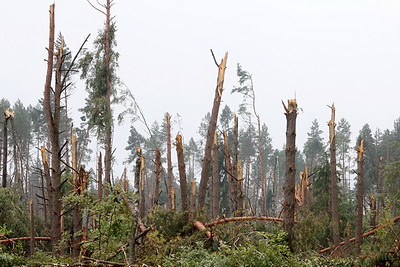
[(182, 174), (210, 133), (334, 186), (215, 179), (169, 162), (235, 160), (7, 116), (359, 197), (379, 199), (157, 171), (231, 179), (289, 188)]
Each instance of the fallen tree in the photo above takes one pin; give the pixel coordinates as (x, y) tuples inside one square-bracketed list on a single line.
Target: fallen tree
[(371, 232), (236, 219), (38, 238)]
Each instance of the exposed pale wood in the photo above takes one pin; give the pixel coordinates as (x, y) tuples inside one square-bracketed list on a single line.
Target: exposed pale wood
[(231, 179), (210, 133), (359, 197), (200, 226), (289, 187), (215, 179)]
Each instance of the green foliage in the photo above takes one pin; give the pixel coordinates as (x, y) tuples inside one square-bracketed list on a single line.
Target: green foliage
[(168, 223), (311, 231), (13, 215), (10, 260), (392, 182)]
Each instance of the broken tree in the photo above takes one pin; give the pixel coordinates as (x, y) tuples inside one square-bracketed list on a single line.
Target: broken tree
[(289, 187), (205, 171)]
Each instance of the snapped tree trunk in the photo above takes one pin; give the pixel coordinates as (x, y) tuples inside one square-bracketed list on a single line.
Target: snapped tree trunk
[(158, 170), (235, 159), (193, 198), (205, 171), (182, 174), (215, 178), (262, 177), (76, 212), (169, 162), (359, 197), (142, 205), (231, 179), (289, 188), (334, 186), (7, 116)]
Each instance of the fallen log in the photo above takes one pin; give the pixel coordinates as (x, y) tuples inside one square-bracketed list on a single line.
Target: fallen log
[(25, 239), (240, 219), (87, 260), (371, 232)]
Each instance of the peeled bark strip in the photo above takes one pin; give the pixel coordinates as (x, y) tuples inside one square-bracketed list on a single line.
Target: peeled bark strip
[(289, 194), (182, 173), (210, 133), (334, 186), (359, 197)]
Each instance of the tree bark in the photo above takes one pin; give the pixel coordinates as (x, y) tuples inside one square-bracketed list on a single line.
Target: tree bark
[(231, 179), (289, 188), (379, 199), (193, 198), (157, 171), (52, 113), (359, 197), (169, 161), (235, 159), (210, 133), (215, 178), (108, 126), (262, 177), (100, 177), (5, 147), (32, 229), (142, 205), (334, 185), (76, 213), (182, 174)]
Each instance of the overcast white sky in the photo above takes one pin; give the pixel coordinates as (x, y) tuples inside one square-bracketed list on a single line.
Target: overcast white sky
[(347, 52)]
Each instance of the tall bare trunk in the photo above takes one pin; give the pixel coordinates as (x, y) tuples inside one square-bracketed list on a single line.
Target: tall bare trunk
[(215, 178), (235, 159), (169, 161), (359, 197), (182, 174), (379, 199), (5, 146), (157, 171), (76, 213), (205, 171), (289, 188), (334, 186), (262, 176), (142, 192), (108, 126), (100, 177), (231, 179), (32, 229)]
